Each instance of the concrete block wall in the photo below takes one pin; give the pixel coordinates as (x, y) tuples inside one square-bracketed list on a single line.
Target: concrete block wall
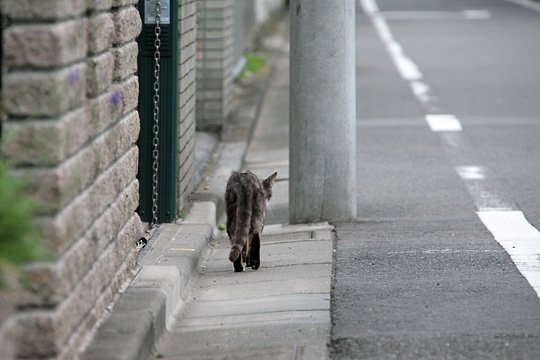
[(243, 25), (215, 48), (70, 94), (7, 308), (187, 58)]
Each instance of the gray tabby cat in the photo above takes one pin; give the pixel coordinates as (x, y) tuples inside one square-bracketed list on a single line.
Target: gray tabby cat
[(245, 200)]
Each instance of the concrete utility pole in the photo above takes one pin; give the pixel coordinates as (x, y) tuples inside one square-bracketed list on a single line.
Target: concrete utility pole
[(322, 111)]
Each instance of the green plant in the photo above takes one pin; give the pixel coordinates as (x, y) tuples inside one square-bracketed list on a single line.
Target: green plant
[(253, 64), (19, 242)]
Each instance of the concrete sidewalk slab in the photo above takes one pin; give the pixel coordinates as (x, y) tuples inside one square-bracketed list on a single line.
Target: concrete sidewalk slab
[(289, 294), (278, 254), (266, 343), (230, 308), (278, 274), (312, 285)]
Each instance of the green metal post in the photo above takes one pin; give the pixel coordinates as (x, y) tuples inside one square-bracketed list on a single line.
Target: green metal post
[(168, 109)]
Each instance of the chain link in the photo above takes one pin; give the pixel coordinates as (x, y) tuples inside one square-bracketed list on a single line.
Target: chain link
[(155, 127)]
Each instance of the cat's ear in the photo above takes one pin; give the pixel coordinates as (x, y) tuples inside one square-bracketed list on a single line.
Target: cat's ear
[(268, 182)]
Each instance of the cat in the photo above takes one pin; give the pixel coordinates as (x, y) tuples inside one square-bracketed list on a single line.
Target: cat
[(245, 203)]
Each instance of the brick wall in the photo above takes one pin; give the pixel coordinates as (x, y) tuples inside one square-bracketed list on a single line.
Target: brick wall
[(70, 95), (214, 62), (186, 105)]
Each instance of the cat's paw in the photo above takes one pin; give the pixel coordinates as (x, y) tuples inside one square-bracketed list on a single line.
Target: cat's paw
[(238, 267), (248, 261), (255, 264)]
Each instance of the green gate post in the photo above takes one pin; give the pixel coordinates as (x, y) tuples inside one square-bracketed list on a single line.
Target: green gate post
[(1, 59), (168, 109)]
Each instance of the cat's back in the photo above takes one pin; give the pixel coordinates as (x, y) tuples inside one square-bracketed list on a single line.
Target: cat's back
[(243, 181)]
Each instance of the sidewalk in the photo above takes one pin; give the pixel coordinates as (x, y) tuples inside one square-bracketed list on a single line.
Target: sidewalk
[(280, 311), (187, 303)]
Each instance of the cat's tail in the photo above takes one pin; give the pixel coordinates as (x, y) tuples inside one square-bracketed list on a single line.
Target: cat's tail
[(243, 223)]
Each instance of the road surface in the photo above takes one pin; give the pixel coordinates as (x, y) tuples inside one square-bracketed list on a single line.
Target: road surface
[(443, 260)]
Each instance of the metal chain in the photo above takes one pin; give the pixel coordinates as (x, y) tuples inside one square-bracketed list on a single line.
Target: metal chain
[(155, 127)]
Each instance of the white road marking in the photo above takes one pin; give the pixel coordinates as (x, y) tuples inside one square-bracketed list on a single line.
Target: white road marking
[(421, 90), (443, 122), (444, 251), (370, 7), (472, 14), (406, 67), (482, 190), (471, 172), (509, 227), (519, 238)]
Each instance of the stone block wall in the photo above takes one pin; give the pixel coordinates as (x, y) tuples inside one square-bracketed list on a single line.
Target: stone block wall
[(187, 59), (70, 94), (7, 308), (215, 48)]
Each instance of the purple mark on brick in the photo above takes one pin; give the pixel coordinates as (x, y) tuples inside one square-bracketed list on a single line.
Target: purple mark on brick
[(74, 75), (116, 98)]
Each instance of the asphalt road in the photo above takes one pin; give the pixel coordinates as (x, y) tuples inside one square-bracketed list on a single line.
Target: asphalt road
[(419, 273)]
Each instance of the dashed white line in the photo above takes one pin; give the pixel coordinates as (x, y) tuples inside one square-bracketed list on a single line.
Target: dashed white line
[(509, 227), (421, 90), (482, 189), (370, 7), (406, 67), (471, 172), (443, 122)]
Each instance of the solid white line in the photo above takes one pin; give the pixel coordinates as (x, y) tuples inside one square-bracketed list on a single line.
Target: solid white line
[(519, 238), (443, 123), (509, 226)]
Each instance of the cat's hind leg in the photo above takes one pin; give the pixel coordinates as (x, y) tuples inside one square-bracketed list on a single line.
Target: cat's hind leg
[(231, 228), (254, 251), (247, 250), (245, 256), (239, 262)]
